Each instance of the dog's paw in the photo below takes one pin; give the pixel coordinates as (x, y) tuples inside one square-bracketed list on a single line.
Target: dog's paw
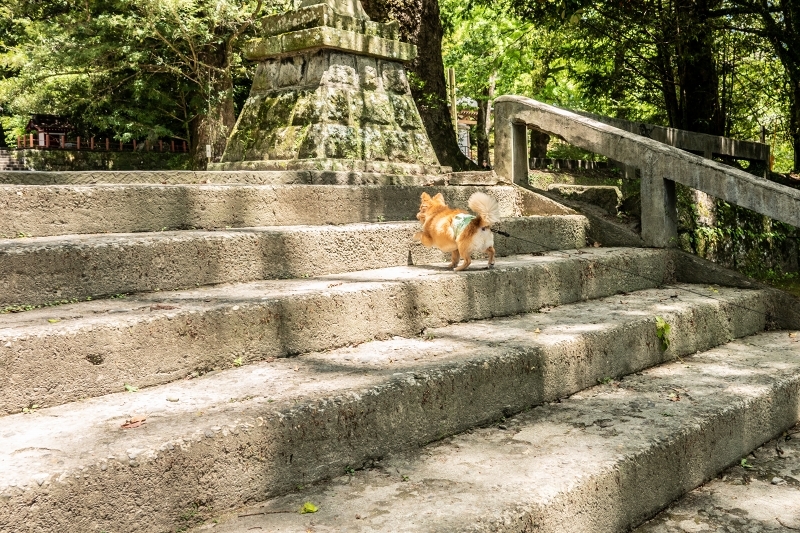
[(491, 266)]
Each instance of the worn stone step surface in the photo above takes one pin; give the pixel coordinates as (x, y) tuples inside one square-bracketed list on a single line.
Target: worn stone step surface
[(602, 460), (36, 211), (240, 435), (282, 177), (59, 354), (181, 177), (759, 495), (48, 269)]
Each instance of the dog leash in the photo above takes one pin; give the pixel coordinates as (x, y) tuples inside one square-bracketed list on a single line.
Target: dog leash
[(652, 280)]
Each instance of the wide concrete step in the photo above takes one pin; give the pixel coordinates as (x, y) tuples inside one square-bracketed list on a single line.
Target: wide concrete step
[(217, 441), (49, 269), (36, 211), (760, 494), (54, 355), (181, 177), (247, 177), (602, 460)]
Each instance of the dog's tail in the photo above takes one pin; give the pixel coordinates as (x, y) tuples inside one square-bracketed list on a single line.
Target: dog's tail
[(486, 207)]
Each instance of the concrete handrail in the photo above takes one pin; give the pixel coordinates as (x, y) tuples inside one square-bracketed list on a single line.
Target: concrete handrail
[(661, 166), (698, 143)]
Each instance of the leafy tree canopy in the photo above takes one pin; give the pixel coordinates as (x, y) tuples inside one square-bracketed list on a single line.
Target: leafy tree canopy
[(149, 68)]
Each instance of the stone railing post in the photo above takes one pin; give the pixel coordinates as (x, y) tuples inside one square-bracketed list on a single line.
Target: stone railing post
[(510, 145), (659, 205)]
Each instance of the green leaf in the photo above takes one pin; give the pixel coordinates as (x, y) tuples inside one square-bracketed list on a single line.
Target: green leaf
[(662, 332), (308, 507), (131, 388)]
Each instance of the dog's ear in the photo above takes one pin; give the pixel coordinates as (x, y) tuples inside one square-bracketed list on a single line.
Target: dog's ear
[(425, 197), (438, 198)]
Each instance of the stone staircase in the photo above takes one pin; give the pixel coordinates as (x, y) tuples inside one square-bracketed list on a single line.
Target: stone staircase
[(9, 162), (213, 356)]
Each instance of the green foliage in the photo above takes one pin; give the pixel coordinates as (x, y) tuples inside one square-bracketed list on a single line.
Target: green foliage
[(640, 60), (308, 507), (662, 332), (738, 238), (125, 69), (487, 45)]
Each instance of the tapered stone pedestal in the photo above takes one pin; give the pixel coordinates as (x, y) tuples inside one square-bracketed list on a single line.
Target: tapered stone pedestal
[(330, 93)]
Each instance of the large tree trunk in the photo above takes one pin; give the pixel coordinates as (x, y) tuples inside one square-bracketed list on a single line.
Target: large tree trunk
[(794, 122), (484, 125), (538, 144), (420, 25), (697, 70), (668, 89), (482, 134), (213, 121), (211, 129), (618, 89)]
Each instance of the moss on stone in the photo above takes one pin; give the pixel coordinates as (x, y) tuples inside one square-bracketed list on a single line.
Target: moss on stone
[(330, 104)]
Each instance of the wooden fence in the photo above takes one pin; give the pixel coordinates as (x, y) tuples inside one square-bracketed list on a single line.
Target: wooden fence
[(60, 142)]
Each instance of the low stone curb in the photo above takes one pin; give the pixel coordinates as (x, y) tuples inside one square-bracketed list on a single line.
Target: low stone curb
[(34, 211)]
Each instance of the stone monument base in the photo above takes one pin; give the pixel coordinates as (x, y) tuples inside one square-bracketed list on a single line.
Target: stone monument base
[(330, 93), (336, 165)]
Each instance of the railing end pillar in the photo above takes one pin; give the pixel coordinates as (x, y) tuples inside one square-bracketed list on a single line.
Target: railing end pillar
[(659, 211), (510, 145)]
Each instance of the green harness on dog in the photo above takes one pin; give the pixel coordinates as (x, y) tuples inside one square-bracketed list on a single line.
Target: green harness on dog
[(460, 222)]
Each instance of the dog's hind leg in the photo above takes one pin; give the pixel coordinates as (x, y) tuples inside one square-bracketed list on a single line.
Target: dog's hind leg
[(454, 259), (490, 253), (464, 255)]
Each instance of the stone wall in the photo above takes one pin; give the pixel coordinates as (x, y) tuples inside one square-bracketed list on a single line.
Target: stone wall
[(66, 160)]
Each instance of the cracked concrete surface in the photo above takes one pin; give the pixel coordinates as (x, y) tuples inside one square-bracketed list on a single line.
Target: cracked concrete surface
[(761, 495), (602, 460), (250, 432)]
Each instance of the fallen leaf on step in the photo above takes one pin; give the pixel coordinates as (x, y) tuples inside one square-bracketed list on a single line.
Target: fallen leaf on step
[(53, 320), (162, 307), (793, 335), (537, 330), (596, 245), (134, 422)]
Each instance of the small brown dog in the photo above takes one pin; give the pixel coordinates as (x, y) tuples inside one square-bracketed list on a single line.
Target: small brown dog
[(455, 230)]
